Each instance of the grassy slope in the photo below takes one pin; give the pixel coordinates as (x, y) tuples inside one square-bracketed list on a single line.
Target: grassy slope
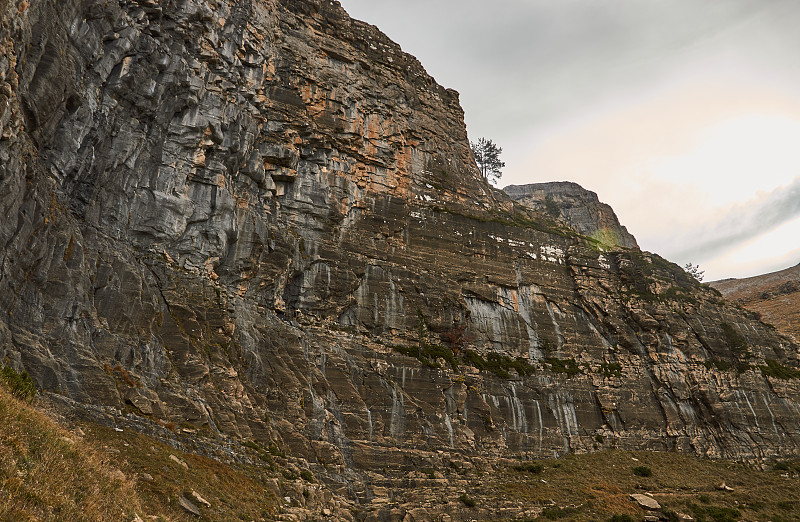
[(50, 473), (47, 474), (235, 492), (597, 486), (775, 296)]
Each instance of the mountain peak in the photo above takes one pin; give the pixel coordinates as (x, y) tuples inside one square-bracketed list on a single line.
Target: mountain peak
[(579, 208)]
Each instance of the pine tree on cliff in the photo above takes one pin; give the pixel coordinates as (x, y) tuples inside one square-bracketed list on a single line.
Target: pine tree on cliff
[(487, 155), (694, 271)]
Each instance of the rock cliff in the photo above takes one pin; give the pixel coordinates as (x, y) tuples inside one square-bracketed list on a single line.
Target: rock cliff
[(576, 206), (260, 220)]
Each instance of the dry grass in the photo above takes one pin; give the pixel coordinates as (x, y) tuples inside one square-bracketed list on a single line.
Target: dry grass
[(600, 484), (235, 492), (47, 474), (767, 295)]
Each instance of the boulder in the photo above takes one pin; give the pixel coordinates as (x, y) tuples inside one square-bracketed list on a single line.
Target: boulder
[(645, 501)]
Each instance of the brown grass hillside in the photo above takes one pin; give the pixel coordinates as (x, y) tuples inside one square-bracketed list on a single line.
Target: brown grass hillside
[(47, 473), (776, 296), (96, 473)]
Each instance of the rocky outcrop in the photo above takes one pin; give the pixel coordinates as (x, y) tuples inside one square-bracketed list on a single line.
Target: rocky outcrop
[(577, 207), (261, 220)]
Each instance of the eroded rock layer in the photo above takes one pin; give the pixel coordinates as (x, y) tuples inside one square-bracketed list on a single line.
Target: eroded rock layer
[(261, 220)]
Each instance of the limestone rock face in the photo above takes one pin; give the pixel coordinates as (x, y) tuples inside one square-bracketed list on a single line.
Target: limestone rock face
[(259, 219), (577, 207)]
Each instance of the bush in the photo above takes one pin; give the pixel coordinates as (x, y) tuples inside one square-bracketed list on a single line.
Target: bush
[(428, 353), (457, 337), (124, 375), (719, 364), (468, 501), (642, 471), (568, 366), (530, 467), (498, 364), (275, 451), (775, 369), (20, 384), (611, 369), (715, 513), (307, 476), (735, 340)]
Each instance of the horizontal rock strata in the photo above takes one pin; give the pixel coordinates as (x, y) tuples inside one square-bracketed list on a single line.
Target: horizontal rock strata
[(261, 220)]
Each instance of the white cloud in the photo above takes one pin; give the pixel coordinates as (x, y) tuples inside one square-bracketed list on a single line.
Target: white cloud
[(747, 258), (735, 158)]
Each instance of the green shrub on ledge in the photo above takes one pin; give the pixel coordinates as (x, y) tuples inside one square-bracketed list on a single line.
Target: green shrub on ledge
[(428, 353), (498, 364), (568, 366), (735, 340), (775, 369)]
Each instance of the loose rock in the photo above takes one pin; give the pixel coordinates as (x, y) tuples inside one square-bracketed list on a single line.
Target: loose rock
[(187, 504), (200, 499), (178, 461), (645, 501)]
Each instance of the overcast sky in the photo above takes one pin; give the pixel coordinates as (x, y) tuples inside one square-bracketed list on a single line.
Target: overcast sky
[(683, 115)]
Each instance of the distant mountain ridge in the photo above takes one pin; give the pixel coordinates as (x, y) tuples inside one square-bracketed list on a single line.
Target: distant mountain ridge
[(579, 208), (775, 296)]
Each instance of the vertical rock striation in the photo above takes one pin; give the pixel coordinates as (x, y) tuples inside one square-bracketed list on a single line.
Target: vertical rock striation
[(260, 219)]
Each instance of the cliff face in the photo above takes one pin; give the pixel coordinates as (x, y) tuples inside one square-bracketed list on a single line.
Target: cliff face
[(577, 207), (261, 220)]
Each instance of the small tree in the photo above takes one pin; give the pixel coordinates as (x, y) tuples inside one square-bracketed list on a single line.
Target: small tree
[(487, 155), (457, 337), (694, 271)]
